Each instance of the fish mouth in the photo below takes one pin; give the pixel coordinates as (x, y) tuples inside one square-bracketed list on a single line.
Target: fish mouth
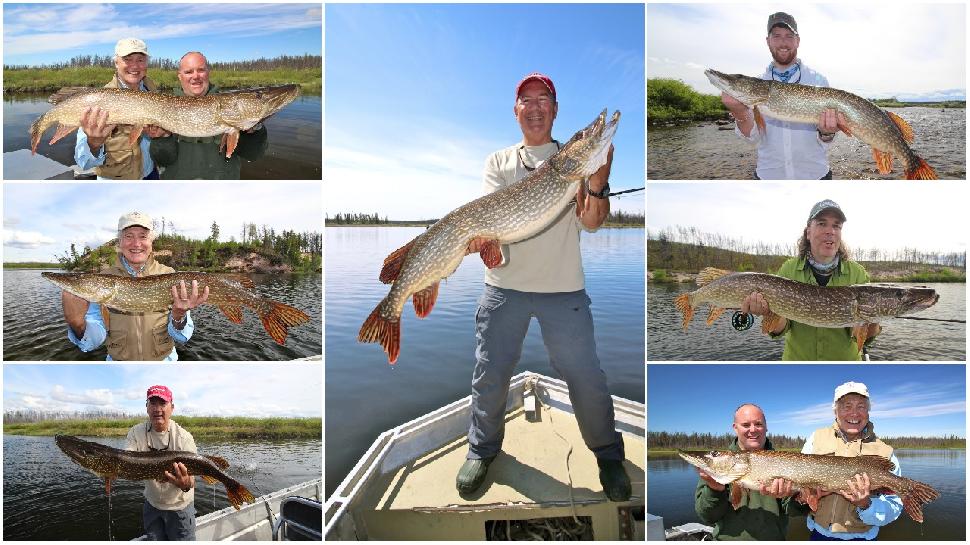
[(278, 96), (917, 299)]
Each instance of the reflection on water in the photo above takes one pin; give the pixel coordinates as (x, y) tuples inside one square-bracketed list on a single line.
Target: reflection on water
[(48, 496), (671, 483), (437, 353), (702, 152), (293, 153), (900, 340), (34, 326)]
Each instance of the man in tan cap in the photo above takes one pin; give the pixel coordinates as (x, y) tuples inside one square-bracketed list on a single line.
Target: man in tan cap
[(856, 513), (104, 146), (134, 335)]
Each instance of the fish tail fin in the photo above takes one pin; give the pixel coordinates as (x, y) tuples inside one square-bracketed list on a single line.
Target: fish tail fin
[(387, 333), (279, 318), (393, 263), (37, 129), (424, 300), (920, 170), (913, 500), (686, 308), (219, 461), (238, 494)]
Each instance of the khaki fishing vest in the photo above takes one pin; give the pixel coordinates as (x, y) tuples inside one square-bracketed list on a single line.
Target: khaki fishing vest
[(138, 335), (121, 160), (834, 511)]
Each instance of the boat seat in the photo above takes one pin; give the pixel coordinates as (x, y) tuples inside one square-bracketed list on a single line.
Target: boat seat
[(301, 519)]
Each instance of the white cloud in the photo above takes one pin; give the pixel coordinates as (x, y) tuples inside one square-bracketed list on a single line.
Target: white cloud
[(26, 239)]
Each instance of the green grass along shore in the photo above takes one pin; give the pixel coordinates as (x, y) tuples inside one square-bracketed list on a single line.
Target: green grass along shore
[(201, 427)]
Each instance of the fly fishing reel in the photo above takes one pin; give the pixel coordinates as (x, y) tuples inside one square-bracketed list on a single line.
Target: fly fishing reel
[(741, 321)]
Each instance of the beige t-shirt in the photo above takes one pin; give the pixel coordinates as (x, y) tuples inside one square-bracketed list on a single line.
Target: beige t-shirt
[(164, 496), (549, 262)]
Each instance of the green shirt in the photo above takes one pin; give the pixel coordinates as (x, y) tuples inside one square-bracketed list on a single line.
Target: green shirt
[(808, 343)]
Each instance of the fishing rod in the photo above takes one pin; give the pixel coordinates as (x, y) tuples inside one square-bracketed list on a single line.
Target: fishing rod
[(615, 193)]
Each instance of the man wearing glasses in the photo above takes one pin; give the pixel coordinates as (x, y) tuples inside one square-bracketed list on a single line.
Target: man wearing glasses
[(169, 510)]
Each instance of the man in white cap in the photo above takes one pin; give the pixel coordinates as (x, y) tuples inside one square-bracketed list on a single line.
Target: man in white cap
[(104, 146), (822, 260), (856, 513), (786, 150), (169, 510), (541, 277), (147, 336)]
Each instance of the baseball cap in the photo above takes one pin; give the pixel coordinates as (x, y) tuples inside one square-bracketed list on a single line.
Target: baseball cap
[(827, 204), (849, 388), (159, 391), (134, 218), (782, 18), (546, 80), (127, 46)]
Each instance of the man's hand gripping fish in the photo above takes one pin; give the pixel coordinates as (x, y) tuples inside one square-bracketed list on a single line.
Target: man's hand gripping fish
[(511, 214)]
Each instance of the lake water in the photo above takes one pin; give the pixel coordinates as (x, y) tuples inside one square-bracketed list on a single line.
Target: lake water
[(671, 482), (47, 496), (365, 396), (900, 340), (34, 326), (702, 152), (293, 153)]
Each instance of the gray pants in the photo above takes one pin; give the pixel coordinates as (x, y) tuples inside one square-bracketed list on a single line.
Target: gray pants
[(566, 323), (161, 525)]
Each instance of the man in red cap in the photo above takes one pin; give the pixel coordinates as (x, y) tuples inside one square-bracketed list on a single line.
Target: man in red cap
[(169, 510), (541, 277)]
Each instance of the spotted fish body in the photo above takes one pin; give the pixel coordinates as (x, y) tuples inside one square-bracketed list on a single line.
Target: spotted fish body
[(511, 214), (110, 463), (210, 115), (752, 469), (229, 292), (833, 307), (888, 134)]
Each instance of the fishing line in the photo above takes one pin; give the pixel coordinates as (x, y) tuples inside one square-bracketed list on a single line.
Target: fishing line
[(929, 319), (615, 193)]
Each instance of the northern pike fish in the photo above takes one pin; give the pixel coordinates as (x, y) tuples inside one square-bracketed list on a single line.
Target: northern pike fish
[(229, 292), (513, 213), (751, 469), (887, 133), (836, 306), (111, 463), (210, 115)]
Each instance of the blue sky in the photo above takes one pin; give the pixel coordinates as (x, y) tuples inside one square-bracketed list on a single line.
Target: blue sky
[(419, 95), (212, 389), (911, 50), (915, 399), (43, 219), (50, 33)]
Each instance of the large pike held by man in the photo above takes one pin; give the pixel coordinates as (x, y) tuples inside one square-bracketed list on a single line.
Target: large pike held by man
[(836, 306), (887, 133), (221, 113), (110, 463), (229, 292), (748, 470), (511, 214)]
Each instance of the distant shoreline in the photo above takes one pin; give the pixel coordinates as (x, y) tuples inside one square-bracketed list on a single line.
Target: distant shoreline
[(201, 427)]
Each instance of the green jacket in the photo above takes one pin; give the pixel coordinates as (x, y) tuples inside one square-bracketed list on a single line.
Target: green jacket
[(759, 517), (189, 158), (808, 343)]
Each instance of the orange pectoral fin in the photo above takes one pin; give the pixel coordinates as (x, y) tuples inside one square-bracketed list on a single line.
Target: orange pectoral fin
[(884, 161), (232, 139), (860, 333), (135, 134), (760, 121), (491, 253), (424, 300), (769, 322), (737, 495)]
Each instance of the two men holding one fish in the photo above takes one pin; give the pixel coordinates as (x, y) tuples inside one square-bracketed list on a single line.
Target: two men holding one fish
[(846, 476)]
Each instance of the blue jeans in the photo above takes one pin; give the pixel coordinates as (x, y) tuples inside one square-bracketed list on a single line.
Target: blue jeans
[(566, 323), (815, 536), (161, 525)]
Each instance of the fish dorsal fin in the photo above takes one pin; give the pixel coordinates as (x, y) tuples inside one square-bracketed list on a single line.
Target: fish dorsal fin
[(243, 279), (65, 93), (903, 126), (393, 263), (710, 274)]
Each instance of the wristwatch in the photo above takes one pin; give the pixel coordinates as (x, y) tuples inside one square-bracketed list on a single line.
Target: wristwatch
[(602, 194)]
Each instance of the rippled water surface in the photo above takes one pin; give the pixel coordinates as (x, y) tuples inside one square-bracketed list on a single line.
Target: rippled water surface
[(438, 352), (47, 496), (702, 152), (900, 340), (671, 482), (34, 326), (293, 153)]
